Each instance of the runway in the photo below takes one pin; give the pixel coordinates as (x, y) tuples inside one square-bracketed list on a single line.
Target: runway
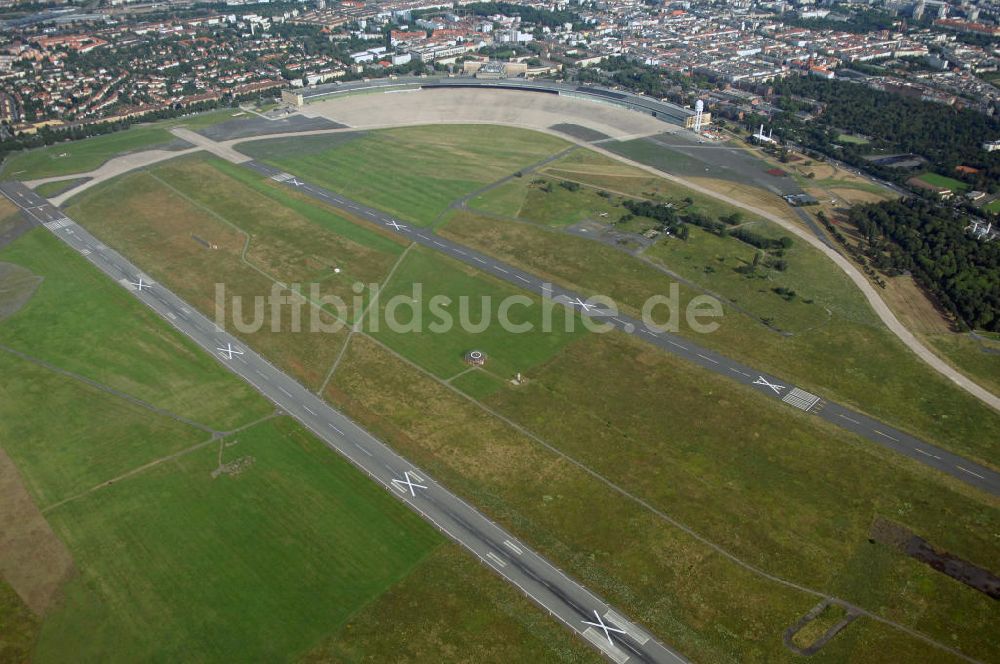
[(878, 432), (587, 615)]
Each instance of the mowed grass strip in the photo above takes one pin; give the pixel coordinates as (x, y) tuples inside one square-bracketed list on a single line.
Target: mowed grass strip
[(255, 563), (863, 365), (66, 437), (686, 593), (474, 617), (159, 229), (413, 172), (105, 334), (467, 316)]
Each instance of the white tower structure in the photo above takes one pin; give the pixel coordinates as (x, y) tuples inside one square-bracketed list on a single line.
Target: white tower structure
[(699, 114)]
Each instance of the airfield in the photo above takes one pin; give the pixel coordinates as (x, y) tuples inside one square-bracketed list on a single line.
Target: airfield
[(421, 185)]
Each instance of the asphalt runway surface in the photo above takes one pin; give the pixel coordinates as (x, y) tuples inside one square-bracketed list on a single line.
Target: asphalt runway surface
[(245, 127), (681, 154), (970, 472), (583, 612)]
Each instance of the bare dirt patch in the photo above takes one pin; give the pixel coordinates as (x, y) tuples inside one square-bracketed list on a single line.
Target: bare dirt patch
[(33, 560)]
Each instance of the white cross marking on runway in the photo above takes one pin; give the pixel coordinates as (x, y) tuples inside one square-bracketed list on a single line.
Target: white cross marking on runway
[(140, 285), (295, 182), (763, 381), (586, 306), (229, 351), (602, 625), (408, 482), (395, 224)]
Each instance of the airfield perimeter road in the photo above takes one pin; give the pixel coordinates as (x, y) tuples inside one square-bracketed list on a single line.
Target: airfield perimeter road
[(561, 596), (965, 470)]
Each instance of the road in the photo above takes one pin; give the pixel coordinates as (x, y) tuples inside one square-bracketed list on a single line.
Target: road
[(550, 588), (878, 432)]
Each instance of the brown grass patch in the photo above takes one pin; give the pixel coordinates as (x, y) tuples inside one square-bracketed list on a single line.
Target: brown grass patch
[(914, 308), (33, 560)]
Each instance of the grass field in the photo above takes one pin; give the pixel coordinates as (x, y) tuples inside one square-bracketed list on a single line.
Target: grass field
[(944, 182), (257, 546), (852, 139), (788, 493), (106, 335), (749, 485), (396, 626), (413, 173), (85, 155), (870, 360), (50, 189), (443, 353), (18, 627), (543, 200), (263, 236), (993, 207), (178, 563)]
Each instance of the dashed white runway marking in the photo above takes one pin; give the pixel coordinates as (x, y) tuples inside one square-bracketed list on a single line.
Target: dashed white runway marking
[(706, 357), (522, 278), (966, 470), (674, 343), (500, 269), (882, 433), (362, 449), (335, 428), (849, 419), (284, 391), (513, 547), (933, 456), (308, 410)]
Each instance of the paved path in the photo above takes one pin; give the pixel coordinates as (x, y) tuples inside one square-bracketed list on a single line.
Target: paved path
[(513, 560), (965, 470)]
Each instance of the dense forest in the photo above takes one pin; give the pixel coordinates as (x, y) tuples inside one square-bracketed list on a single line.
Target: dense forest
[(945, 136), (930, 241)]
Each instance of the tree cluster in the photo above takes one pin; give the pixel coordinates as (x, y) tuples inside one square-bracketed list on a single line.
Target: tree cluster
[(931, 242)]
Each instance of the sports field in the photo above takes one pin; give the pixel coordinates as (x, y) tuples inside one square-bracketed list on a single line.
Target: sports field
[(943, 181), (415, 172)]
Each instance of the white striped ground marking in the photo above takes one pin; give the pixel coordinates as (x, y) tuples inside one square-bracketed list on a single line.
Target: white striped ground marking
[(616, 654), (497, 559), (513, 547), (966, 470), (882, 433), (801, 399)]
